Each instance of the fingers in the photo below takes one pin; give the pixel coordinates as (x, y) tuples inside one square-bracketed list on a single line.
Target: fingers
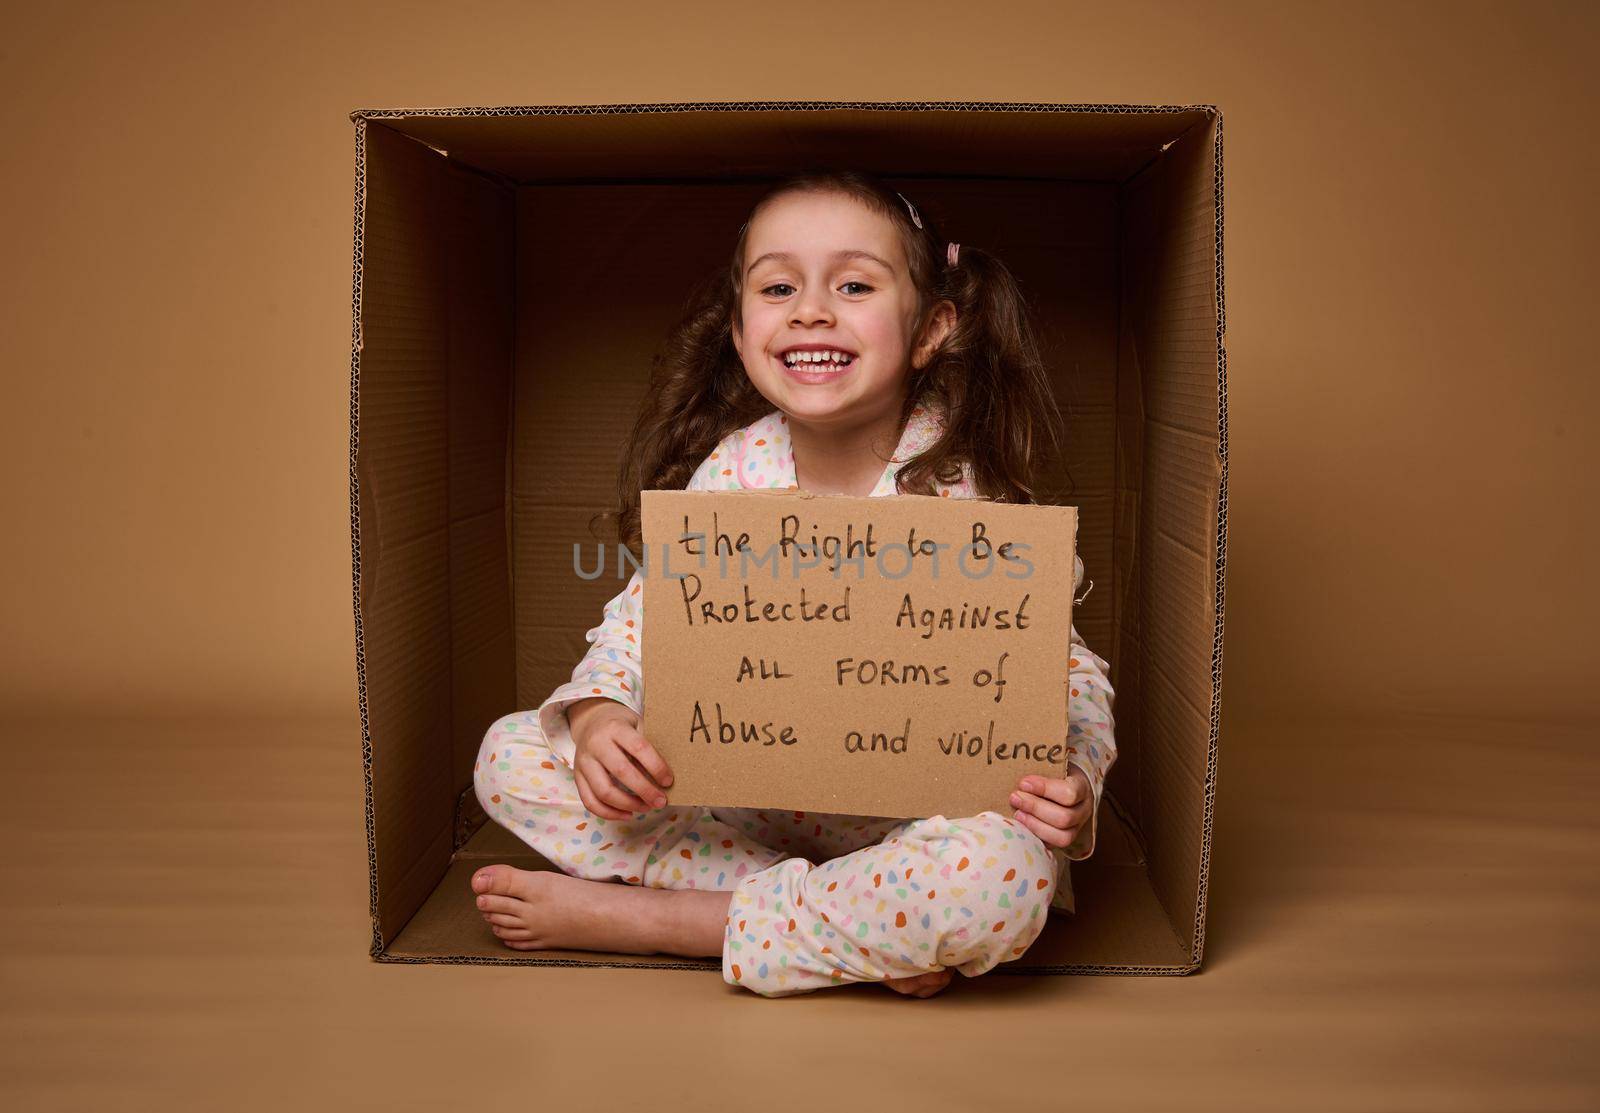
[(614, 742), (1049, 834), (1049, 810), (1056, 823), (1068, 791), (615, 746), (639, 748), (632, 778), (586, 792)]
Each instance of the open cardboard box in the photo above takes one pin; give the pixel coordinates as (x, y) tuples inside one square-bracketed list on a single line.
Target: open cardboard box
[(515, 271)]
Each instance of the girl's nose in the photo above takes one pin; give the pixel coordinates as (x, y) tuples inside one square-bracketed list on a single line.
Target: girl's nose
[(811, 309)]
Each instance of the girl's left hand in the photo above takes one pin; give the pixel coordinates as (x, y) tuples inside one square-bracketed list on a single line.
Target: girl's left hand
[(1054, 808)]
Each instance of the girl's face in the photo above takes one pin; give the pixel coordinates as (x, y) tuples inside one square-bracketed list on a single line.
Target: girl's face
[(823, 271)]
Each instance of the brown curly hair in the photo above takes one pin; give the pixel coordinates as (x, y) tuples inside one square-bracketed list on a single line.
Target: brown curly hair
[(987, 377)]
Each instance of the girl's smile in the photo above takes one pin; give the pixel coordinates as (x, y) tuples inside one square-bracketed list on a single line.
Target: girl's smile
[(813, 364)]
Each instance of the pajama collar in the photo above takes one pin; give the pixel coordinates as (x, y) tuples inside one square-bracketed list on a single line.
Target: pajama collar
[(763, 456)]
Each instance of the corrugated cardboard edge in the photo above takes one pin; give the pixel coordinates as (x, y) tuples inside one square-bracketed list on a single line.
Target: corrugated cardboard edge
[(360, 117), (355, 529), (1222, 562), (1005, 969)]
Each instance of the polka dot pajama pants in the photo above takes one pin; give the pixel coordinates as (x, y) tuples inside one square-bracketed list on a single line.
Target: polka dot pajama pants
[(818, 899)]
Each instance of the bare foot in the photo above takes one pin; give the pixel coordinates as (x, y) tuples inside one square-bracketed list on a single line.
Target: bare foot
[(536, 910), (923, 985)]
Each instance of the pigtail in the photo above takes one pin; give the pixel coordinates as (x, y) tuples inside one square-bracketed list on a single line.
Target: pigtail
[(698, 393), (990, 381)]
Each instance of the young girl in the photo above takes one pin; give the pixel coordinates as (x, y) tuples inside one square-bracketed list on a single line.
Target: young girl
[(848, 350)]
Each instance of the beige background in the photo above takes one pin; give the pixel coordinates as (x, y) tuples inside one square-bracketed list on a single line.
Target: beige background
[(1403, 902)]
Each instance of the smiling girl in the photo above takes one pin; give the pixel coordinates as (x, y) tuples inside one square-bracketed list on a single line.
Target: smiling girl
[(847, 349)]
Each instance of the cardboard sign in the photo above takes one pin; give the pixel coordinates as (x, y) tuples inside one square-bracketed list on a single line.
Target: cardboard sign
[(901, 657)]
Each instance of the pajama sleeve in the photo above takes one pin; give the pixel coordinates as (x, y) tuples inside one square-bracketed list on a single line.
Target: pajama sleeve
[(613, 666), (1091, 743), (611, 669)]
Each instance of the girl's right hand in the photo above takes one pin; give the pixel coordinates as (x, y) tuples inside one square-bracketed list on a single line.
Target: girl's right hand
[(606, 735)]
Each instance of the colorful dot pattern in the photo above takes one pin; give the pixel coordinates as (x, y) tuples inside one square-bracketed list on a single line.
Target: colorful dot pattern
[(817, 899), (760, 455)]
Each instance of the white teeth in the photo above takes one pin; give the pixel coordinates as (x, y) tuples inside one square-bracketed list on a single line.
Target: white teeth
[(838, 358)]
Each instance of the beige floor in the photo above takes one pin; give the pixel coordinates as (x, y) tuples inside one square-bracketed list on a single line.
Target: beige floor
[(1403, 917)]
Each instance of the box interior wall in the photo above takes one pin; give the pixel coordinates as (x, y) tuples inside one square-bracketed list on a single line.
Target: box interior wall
[(516, 272)]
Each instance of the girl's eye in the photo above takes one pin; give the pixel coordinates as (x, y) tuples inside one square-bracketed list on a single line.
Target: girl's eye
[(786, 286)]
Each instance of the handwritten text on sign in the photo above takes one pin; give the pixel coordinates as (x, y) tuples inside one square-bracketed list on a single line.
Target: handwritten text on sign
[(865, 656)]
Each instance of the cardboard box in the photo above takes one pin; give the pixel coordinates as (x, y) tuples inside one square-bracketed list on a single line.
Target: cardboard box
[(515, 270)]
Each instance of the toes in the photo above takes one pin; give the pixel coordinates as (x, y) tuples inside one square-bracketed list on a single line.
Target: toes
[(511, 932), (506, 906), (504, 881), (501, 919), (493, 879), (920, 985)]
